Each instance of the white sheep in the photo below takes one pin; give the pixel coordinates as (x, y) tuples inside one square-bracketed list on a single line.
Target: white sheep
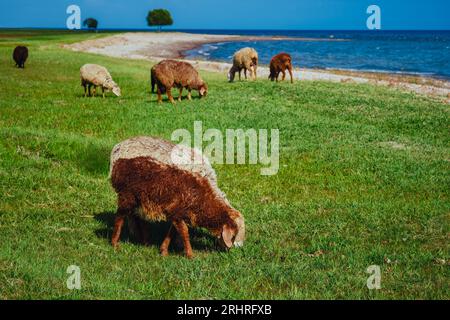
[(96, 75), (247, 59)]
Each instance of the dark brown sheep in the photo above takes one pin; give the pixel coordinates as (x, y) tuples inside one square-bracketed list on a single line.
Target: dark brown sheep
[(20, 55), (170, 73), (152, 185), (280, 63)]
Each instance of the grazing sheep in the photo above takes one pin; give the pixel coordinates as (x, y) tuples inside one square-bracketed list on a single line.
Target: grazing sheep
[(20, 55), (152, 183), (95, 75), (280, 63), (247, 59), (170, 73)]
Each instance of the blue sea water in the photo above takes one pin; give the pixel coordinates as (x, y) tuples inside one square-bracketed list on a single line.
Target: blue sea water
[(424, 53)]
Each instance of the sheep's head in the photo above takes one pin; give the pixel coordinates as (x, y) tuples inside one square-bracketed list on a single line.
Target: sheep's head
[(116, 90), (231, 74), (111, 85), (203, 90), (233, 234)]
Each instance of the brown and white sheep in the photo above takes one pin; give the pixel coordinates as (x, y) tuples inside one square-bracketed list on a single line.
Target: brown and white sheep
[(244, 59), (153, 183), (20, 55), (280, 63), (93, 75), (170, 73)]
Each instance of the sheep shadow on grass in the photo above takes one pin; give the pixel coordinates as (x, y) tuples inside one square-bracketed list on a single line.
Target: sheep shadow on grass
[(201, 240), (165, 99)]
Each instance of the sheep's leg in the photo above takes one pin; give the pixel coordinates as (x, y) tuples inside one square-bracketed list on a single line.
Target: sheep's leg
[(142, 226), (103, 92), (254, 72), (240, 74), (159, 95), (126, 205), (181, 92), (245, 74), (85, 90), (89, 89), (164, 249), (133, 229), (95, 91), (276, 78), (284, 75), (118, 223), (189, 96), (290, 73), (169, 95), (138, 229), (183, 231), (250, 68)]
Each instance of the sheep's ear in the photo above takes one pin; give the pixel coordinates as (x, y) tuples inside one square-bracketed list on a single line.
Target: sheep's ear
[(227, 236), (202, 91)]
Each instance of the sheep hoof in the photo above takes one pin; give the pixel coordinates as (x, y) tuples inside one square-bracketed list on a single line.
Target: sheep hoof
[(164, 253)]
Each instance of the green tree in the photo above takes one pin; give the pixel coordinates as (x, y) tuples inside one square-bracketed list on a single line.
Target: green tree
[(91, 23), (159, 17)]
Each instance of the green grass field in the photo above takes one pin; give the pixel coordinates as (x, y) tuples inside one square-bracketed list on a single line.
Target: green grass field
[(363, 180)]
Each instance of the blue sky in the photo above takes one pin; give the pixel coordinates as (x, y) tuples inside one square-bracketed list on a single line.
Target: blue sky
[(233, 14)]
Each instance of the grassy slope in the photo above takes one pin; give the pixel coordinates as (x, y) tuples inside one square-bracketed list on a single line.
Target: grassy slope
[(342, 200)]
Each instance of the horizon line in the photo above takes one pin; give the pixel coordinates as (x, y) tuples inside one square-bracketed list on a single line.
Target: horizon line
[(211, 29)]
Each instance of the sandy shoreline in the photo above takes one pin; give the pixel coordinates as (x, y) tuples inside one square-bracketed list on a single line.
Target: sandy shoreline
[(166, 45), (158, 46)]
